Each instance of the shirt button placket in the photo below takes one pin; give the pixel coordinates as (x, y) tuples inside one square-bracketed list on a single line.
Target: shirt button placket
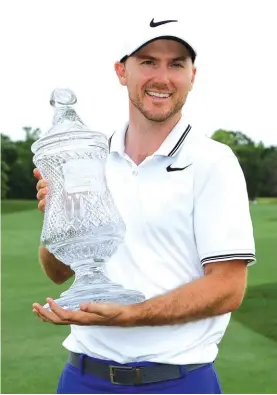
[(135, 173), (136, 191)]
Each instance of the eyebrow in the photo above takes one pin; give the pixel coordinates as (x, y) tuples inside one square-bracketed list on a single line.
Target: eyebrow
[(180, 58)]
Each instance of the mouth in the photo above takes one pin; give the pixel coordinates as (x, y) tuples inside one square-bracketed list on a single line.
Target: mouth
[(158, 95)]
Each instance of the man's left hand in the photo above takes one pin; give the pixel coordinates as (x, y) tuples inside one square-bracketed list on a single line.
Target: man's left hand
[(89, 314)]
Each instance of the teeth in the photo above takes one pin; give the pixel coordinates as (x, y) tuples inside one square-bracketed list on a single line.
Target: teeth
[(158, 94)]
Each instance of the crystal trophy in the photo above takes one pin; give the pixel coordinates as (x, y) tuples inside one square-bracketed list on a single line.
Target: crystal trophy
[(82, 226)]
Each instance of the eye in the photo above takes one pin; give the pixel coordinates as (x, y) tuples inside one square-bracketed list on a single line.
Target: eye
[(178, 65), (148, 62)]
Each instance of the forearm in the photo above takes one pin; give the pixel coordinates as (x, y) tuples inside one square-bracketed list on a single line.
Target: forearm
[(206, 297), (52, 267)]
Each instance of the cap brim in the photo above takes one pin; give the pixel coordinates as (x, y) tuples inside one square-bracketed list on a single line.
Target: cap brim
[(178, 39)]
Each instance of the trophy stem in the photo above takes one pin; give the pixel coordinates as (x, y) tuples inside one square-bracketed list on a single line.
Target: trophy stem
[(92, 285), (88, 272)]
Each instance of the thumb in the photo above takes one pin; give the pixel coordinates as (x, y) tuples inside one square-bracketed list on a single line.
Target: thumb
[(92, 307), (84, 306)]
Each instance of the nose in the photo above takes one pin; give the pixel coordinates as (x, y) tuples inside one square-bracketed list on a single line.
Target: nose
[(161, 76)]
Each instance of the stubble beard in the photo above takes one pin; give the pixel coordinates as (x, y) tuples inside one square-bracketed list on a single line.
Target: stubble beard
[(157, 117)]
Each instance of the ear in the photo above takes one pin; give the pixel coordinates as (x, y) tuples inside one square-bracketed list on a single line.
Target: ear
[(120, 70), (194, 70)]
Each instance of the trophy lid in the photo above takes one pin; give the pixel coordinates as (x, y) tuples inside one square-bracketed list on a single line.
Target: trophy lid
[(65, 121)]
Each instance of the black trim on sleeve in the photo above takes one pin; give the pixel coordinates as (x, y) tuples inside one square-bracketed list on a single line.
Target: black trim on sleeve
[(245, 256), (180, 141)]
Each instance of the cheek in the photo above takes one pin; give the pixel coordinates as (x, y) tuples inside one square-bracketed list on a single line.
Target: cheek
[(183, 85), (140, 76), (136, 84)]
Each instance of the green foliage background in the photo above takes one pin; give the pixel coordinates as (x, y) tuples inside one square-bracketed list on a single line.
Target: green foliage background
[(259, 164)]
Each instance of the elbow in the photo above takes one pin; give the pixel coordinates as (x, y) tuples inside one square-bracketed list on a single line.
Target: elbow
[(58, 281), (58, 277), (234, 302), (234, 305)]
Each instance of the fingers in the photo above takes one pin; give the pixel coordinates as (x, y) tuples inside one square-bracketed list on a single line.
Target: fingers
[(68, 316), (37, 313), (60, 316), (42, 191), (49, 316), (41, 205), (37, 174), (42, 183), (64, 315), (41, 196)]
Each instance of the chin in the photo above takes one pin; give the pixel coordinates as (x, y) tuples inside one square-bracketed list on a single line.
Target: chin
[(157, 116)]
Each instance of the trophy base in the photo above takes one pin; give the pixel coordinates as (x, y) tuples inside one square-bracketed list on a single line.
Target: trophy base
[(97, 293)]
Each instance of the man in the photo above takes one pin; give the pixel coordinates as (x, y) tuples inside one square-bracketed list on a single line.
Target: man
[(189, 238)]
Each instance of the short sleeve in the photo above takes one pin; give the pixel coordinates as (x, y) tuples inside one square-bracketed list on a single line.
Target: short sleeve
[(222, 223)]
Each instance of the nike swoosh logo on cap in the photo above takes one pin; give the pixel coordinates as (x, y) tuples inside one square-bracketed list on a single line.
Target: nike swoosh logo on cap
[(155, 24), (169, 168)]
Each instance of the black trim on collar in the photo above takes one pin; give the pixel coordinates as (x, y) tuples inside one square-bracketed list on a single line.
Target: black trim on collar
[(109, 142), (175, 148), (180, 141)]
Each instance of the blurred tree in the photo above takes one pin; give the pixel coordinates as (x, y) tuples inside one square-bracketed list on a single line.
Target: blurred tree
[(269, 172), (249, 156), (233, 139), (8, 150), (8, 158), (17, 162), (4, 179), (31, 134)]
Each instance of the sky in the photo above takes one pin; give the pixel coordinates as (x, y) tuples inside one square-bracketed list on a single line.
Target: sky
[(74, 43)]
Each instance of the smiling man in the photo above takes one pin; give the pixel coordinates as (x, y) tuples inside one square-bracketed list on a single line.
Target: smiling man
[(188, 243), (158, 85)]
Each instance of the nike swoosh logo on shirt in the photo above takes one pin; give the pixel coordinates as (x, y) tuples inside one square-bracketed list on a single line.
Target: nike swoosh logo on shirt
[(169, 168), (155, 24)]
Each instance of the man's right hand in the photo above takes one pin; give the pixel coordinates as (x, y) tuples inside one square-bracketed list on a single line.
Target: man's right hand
[(42, 190)]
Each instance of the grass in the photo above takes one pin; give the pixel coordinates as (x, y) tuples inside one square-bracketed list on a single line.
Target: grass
[(32, 355), (248, 352), (267, 200)]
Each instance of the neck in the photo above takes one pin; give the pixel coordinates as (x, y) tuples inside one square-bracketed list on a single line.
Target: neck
[(144, 137)]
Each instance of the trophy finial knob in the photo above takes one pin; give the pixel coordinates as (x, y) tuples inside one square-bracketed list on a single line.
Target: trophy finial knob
[(62, 97)]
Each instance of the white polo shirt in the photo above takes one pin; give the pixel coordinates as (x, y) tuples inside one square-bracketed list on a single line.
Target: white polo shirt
[(184, 206)]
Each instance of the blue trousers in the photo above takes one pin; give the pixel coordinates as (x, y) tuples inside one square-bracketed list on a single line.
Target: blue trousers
[(199, 381)]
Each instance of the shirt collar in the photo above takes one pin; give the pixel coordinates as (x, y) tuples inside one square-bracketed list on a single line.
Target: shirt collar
[(169, 147), (117, 140)]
